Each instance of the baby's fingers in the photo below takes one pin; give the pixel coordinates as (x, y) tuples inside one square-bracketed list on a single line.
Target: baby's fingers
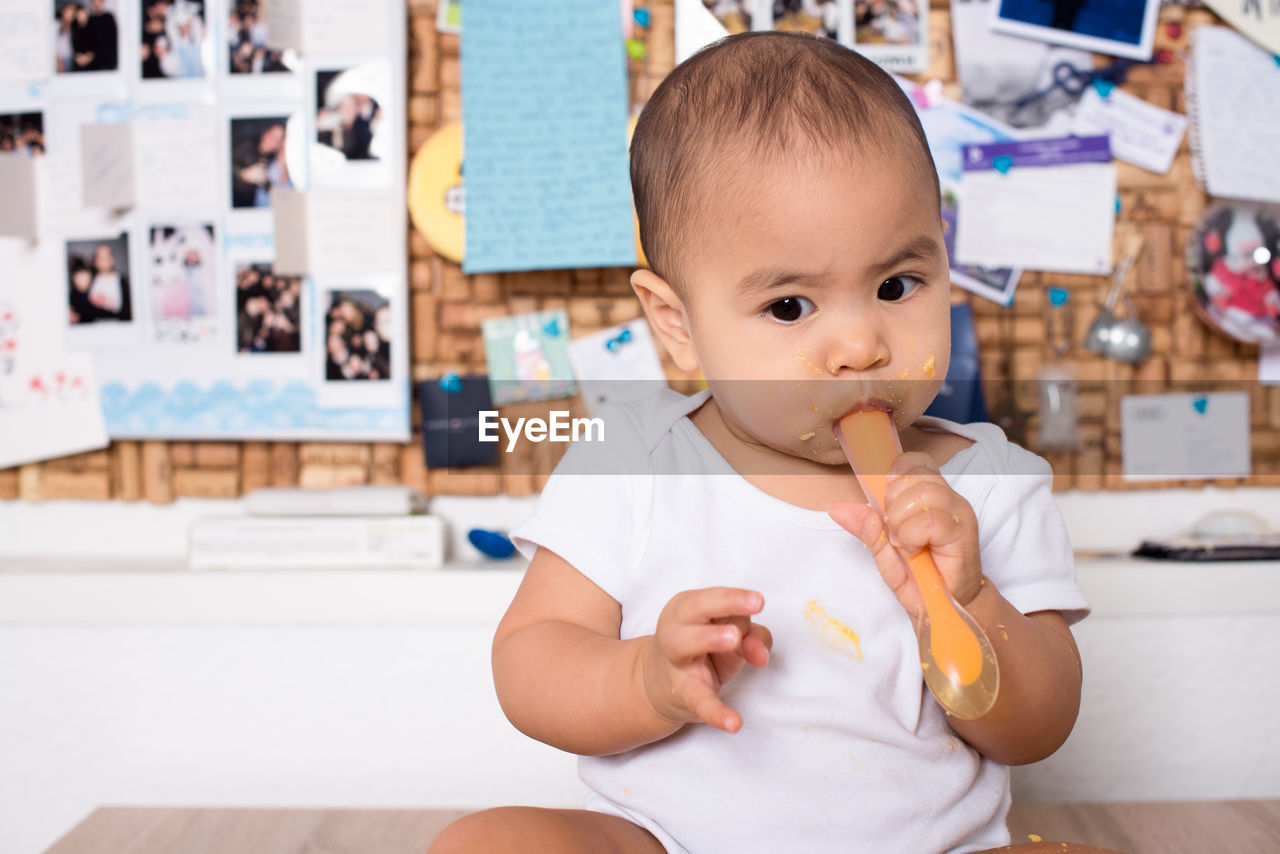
[(682, 643), (707, 707), (757, 645)]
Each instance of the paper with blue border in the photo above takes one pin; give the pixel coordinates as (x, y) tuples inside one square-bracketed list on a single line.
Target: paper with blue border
[(545, 130)]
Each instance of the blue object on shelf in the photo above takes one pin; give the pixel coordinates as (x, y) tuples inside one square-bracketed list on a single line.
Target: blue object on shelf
[(491, 543)]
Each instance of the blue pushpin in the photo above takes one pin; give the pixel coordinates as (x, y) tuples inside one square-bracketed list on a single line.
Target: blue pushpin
[(641, 17), (1058, 297), (1002, 164), (552, 327), (450, 383), (1104, 86), (613, 344), (491, 543), (1117, 205)]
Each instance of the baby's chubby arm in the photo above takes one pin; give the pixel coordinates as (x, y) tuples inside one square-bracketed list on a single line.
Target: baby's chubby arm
[(1040, 671), (564, 677)]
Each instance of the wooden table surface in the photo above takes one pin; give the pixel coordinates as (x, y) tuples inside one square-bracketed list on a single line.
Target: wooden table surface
[(1238, 827)]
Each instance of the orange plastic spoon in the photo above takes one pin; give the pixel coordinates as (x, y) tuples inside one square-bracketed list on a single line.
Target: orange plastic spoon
[(956, 656)]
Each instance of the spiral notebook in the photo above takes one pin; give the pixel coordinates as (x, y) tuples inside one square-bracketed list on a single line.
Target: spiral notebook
[(1233, 98)]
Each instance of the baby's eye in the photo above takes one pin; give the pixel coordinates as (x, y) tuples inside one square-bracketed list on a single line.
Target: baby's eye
[(790, 309), (898, 287)]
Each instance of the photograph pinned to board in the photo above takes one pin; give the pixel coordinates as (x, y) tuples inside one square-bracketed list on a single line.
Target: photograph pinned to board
[(353, 125), (359, 333), (86, 36), (1124, 28), (182, 270), (734, 15), (1233, 268), (1008, 77), (176, 41), (832, 19), (249, 54), (528, 356), (98, 283), (893, 33), (998, 284), (265, 151), (268, 309), (22, 134)]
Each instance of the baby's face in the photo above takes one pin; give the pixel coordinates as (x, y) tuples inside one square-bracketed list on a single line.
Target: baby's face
[(815, 287)]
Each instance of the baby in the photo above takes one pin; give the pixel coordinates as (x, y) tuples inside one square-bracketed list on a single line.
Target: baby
[(713, 617)]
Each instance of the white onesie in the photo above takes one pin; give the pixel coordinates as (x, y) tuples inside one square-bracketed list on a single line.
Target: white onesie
[(842, 747)]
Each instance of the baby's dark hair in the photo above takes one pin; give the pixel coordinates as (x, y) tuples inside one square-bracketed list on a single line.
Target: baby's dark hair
[(751, 97)]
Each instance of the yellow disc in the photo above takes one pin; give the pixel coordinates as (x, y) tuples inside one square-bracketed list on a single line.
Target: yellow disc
[(640, 259), (436, 201)]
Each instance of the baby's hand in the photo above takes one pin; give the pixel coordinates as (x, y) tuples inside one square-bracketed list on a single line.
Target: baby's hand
[(702, 640), (921, 510)]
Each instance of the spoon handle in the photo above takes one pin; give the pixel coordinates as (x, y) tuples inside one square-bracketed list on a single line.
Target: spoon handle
[(956, 656)]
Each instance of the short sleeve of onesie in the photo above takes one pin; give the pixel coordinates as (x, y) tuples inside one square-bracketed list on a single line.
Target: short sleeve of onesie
[(593, 510), (1023, 539)]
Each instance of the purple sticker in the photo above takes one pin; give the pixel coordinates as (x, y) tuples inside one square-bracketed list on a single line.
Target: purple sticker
[(1061, 151)]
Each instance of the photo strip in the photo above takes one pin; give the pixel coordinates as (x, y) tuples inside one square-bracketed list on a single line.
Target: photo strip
[(86, 36), (247, 41), (98, 286), (176, 42), (1125, 28), (358, 335), (181, 268), (22, 134), (268, 310), (259, 161)]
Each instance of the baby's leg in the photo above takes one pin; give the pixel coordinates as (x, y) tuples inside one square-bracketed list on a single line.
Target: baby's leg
[(1050, 848), (536, 829)]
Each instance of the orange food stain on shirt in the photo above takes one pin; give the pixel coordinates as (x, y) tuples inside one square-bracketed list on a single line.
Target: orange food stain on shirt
[(832, 633)]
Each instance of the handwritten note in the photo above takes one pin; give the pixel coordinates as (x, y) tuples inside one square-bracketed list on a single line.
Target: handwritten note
[(333, 232), (1233, 91), (1141, 133), (177, 158), (617, 364), (328, 26), (1185, 436), (106, 166), (18, 212), (24, 53), (545, 136), (49, 407), (1046, 204)]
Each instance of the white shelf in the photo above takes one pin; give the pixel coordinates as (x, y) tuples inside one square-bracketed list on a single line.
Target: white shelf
[(163, 592), (160, 592)]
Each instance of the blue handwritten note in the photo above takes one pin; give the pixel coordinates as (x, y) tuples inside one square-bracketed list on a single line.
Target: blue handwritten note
[(544, 106)]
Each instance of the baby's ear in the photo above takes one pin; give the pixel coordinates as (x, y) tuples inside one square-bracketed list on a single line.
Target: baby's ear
[(667, 316)]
